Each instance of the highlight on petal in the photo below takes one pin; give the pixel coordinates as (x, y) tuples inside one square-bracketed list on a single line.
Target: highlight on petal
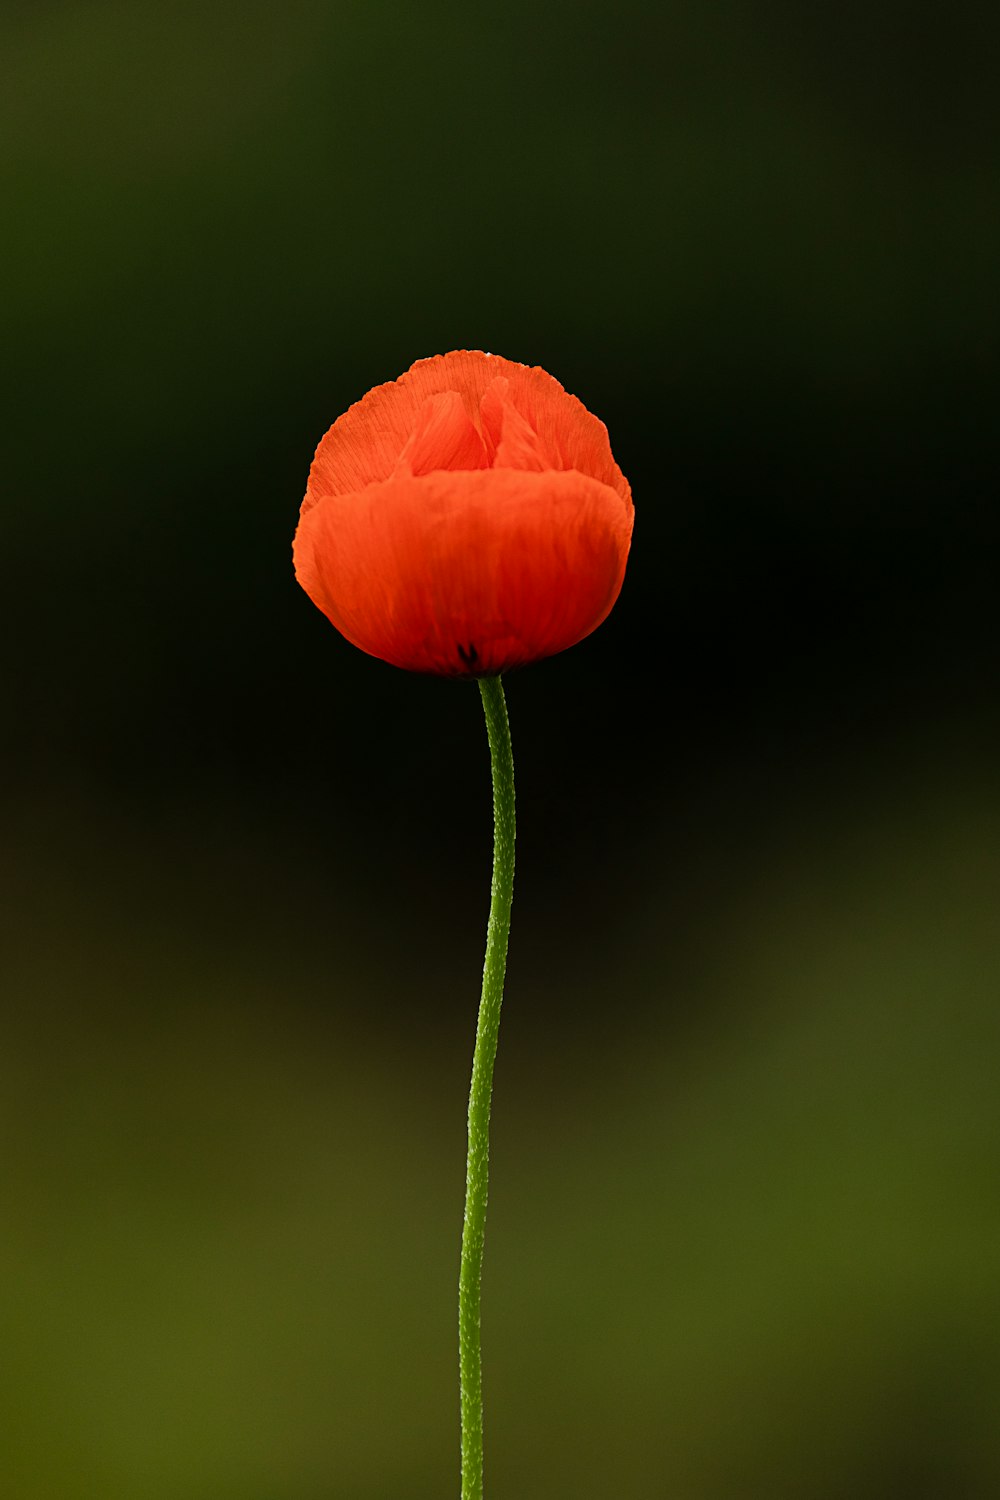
[(466, 518)]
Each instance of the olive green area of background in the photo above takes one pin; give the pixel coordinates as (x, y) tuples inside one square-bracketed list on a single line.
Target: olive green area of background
[(744, 1217)]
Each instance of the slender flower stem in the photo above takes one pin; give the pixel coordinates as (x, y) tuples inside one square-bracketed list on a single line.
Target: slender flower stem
[(477, 1171)]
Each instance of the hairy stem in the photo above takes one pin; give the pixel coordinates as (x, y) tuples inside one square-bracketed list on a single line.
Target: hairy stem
[(480, 1095)]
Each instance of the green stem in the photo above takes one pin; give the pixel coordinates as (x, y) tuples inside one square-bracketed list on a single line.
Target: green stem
[(477, 1171)]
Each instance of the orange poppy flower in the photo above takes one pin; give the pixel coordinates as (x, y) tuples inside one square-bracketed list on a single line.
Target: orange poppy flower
[(465, 518)]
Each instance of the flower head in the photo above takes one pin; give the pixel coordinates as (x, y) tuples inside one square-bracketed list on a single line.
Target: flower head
[(465, 518)]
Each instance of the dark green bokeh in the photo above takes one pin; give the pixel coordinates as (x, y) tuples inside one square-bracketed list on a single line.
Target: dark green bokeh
[(744, 1221)]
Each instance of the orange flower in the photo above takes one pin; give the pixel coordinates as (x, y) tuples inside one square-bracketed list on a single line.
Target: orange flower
[(465, 518)]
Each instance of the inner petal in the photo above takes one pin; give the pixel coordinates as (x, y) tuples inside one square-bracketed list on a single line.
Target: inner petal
[(510, 439), (443, 437)]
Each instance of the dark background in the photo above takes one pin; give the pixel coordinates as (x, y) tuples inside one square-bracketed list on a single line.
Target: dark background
[(744, 1215)]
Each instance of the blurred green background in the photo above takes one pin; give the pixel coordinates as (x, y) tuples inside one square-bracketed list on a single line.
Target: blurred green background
[(745, 1220)]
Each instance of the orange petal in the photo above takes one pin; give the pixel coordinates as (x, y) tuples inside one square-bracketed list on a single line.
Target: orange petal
[(466, 573), (365, 444), (443, 438), (514, 443)]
